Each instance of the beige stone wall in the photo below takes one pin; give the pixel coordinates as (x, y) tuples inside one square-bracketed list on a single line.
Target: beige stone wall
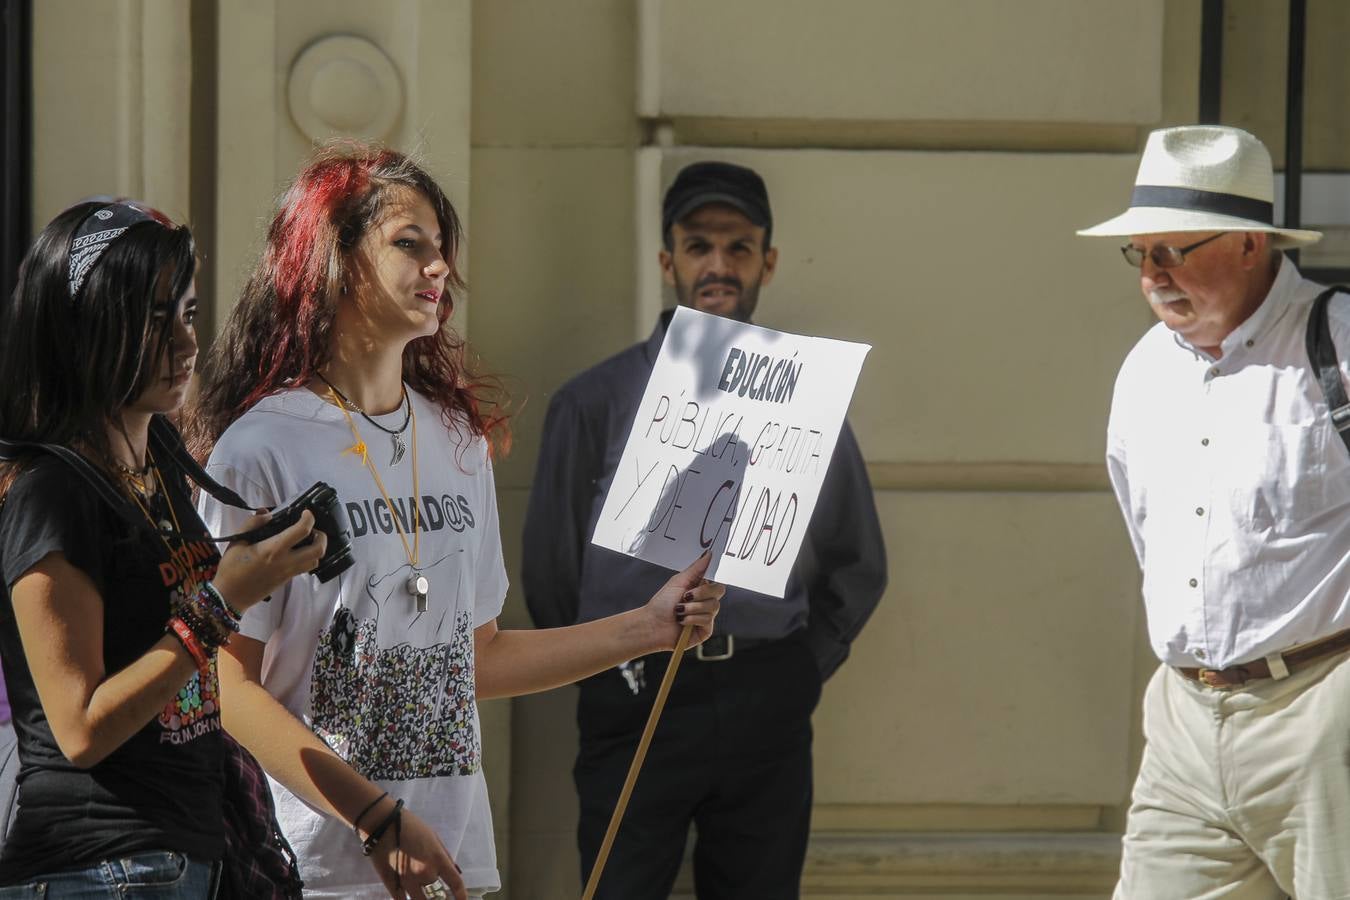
[(1040, 61), (552, 265), (928, 162), (110, 104)]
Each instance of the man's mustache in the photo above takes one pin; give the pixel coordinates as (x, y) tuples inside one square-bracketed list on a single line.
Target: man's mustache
[(725, 281), (1166, 296)]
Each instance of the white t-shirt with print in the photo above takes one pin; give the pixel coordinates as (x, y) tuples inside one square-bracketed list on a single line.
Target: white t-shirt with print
[(391, 690)]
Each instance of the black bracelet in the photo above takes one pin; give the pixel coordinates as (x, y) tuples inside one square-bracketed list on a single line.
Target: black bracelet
[(368, 845), (362, 814), (206, 634)]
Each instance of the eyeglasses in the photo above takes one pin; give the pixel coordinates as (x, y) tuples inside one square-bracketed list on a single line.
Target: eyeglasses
[(1163, 257)]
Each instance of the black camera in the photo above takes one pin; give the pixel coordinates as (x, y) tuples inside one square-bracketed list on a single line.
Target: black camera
[(321, 500)]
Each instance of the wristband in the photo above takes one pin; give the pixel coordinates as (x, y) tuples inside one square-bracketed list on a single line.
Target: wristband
[(356, 823), (180, 630), (368, 845)]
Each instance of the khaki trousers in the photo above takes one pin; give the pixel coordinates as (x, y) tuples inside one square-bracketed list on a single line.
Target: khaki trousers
[(1243, 794)]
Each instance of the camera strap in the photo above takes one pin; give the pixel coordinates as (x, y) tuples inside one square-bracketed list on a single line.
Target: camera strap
[(166, 440)]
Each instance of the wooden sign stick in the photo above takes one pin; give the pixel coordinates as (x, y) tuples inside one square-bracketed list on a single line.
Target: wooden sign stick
[(638, 758)]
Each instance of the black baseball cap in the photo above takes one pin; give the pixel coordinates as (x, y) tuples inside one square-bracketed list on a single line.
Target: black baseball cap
[(701, 183)]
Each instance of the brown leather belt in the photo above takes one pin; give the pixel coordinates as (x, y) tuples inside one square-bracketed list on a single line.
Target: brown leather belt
[(1236, 676), (719, 647)]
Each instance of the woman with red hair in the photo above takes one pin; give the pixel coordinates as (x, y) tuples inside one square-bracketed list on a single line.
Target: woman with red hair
[(359, 695)]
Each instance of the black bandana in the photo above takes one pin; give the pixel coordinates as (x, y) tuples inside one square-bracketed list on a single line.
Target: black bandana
[(96, 234)]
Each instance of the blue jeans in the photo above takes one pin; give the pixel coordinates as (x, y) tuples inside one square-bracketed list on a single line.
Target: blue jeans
[(154, 875)]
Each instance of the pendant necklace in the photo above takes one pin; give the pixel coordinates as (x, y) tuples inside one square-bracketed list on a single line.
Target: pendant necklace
[(137, 479), (140, 489), (395, 434), (418, 585)]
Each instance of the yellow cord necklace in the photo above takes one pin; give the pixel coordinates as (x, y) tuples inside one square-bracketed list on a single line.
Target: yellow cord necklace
[(418, 585)]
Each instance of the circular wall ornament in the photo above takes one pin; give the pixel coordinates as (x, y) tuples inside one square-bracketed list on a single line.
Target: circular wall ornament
[(344, 86)]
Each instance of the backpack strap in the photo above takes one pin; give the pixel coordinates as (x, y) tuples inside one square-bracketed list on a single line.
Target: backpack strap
[(1322, 355)]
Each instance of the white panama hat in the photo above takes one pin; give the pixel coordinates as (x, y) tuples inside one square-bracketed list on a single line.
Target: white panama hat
[(1203, 178)]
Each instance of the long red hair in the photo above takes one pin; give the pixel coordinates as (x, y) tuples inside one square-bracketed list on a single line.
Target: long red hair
[(278, 334)]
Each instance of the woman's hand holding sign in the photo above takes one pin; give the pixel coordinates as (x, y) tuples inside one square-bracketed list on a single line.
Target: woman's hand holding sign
[(687, 599)]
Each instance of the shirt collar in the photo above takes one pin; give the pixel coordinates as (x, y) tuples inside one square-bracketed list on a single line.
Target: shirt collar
[(658, 337)]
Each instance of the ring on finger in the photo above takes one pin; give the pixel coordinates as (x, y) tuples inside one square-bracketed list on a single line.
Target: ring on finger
[(437, 890)]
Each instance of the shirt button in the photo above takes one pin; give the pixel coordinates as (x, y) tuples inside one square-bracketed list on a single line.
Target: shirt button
[(1204, 442), (1251, 343), (1199, 510), (1193, 583), (1214, 371), (1200, 654)]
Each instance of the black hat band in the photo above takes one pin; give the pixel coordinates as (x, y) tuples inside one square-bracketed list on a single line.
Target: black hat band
[(1204, 201)]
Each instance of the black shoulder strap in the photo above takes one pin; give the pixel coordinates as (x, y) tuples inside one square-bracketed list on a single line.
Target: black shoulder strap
[(14, 450), (1322, 355), (167, 441)]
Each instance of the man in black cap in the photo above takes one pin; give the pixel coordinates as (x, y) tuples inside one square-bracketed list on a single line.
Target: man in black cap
[(732, 754)]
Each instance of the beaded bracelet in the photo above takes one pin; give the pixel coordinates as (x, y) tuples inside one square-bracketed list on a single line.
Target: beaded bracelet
[(208, 633), (395, 815), (214, 593), (179, 629), (209, 601), (208, 615), (221, 630)]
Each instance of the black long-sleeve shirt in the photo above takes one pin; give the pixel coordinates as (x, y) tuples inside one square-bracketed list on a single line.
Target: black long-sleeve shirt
[(838, 578)]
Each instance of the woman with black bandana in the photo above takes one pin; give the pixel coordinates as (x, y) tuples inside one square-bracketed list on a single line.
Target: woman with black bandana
[(109, 628)]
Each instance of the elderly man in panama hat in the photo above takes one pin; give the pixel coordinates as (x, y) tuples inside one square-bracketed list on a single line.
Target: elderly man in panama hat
[(1236, 493)]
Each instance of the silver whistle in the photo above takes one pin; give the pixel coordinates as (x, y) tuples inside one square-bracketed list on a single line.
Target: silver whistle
[(634, 675)]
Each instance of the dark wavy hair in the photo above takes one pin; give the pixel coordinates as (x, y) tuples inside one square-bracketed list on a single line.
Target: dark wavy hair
[(278, 334), (69, 368)]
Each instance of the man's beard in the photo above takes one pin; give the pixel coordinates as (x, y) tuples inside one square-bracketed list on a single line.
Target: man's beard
[(747, 297)]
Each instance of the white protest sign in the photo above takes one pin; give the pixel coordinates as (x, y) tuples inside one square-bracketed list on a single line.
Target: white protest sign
[(729, 448)]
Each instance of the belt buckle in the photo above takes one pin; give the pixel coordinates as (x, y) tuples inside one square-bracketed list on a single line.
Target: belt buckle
[(1220, 683), (1201, 675), (706, 655)]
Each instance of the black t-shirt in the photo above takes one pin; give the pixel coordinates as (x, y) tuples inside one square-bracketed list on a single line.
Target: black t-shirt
[(162, 788)]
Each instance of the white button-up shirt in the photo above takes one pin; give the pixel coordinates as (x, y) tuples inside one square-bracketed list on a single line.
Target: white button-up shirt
[(1234, 485)]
